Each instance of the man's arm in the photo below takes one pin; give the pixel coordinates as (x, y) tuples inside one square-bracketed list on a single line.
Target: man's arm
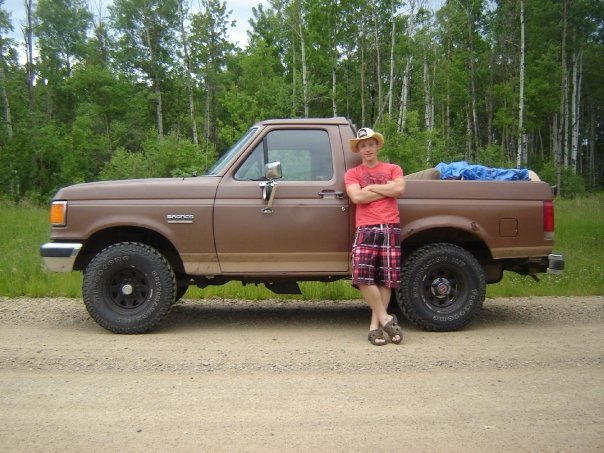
[(362, 196), (394, 188)]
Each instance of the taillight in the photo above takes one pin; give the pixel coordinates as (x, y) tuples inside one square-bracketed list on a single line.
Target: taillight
[(58, 213), (548, 219)]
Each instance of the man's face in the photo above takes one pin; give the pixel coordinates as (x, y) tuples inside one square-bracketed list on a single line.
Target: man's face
[(368, 149)]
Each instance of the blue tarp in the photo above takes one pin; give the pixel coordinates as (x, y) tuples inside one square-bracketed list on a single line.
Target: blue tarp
[(463, 170)]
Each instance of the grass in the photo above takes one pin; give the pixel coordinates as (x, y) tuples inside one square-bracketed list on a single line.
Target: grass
[(23, 230), (579, 236)]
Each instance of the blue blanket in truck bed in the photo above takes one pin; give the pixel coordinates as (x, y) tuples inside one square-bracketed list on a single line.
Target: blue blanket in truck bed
[(463, 170)]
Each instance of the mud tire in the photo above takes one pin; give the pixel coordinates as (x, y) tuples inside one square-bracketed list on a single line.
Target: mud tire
[(442, 287), (128, 288)]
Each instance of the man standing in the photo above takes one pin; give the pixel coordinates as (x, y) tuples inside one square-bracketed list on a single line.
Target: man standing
[(373, 186)]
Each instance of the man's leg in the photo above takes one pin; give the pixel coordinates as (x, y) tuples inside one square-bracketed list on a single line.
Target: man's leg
[(377, 297), (385, 294)]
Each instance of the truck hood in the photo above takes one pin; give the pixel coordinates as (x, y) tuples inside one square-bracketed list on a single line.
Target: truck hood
[(143, 189)]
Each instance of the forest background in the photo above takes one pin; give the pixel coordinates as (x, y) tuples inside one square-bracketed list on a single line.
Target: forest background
[(155, 88)]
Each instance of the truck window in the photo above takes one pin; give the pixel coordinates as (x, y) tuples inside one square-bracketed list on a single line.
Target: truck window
[(305, 155), (226, 157)]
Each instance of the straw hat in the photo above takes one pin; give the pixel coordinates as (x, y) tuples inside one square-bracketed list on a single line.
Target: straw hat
[(364, 134)]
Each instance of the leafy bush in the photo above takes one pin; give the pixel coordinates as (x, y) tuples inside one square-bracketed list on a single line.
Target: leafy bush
[(170, 156)]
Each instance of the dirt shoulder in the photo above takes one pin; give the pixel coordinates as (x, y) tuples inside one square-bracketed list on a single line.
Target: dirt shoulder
[(526, 375)]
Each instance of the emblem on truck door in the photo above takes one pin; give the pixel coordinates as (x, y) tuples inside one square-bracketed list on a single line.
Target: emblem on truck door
[(180, 218)]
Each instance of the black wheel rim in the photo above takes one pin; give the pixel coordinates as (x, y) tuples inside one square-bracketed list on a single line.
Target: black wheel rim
[(443, 289), (128, 289)]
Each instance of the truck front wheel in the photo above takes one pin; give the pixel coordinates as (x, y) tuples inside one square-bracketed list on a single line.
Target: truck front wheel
[(442, 287), (128, 288)]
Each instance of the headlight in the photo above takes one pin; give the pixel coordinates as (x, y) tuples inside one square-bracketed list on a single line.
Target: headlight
[(58, 213)]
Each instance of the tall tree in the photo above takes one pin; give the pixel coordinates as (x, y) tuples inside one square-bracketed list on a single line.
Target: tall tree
[(210, 49), (521, 155), (562, 119), (5, 27), (183, 11), (404, 99), (61, 28), (28, 33), (146, 41)]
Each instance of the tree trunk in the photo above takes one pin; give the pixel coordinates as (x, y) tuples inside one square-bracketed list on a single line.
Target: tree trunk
[(362, 79), (521, 156), (575, 111), (29, 30), (8, 122), (561, 138), (378, 70), (593, 178), (392, 45), (294, 111), (474, 119), (335, 53), (468, 136), (189, 78), (402, 116), (305, 88), (206, 123), (489, 100), (156, 87), (159, 109), (428, 108)]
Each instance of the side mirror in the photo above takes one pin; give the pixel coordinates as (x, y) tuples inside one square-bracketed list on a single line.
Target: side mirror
[(272, 170)]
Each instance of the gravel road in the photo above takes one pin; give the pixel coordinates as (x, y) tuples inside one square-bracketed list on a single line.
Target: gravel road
[(526, 375)]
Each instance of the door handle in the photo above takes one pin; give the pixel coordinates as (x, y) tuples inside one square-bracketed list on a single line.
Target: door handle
[(329, 193)]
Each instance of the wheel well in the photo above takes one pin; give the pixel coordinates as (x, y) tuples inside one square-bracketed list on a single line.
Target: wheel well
[(470, 242), (110, 236)]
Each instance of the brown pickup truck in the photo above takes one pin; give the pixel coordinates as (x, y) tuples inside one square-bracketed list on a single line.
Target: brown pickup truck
[(274, 210)]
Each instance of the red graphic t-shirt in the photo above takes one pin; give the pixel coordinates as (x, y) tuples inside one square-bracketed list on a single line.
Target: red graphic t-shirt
[(380, 211)]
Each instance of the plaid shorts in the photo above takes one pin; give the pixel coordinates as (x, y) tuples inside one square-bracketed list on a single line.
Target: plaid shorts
[(376, 255)]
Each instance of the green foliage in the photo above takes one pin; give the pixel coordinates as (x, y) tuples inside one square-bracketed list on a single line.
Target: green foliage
[(161, 157), (100, 84), (494, 156), (411, 150), (126, 165), (580, 238), (23, 229), (572, 186)]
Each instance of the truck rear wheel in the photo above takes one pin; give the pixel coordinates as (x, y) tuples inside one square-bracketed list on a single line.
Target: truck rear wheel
[(442, 287), (128, 288)]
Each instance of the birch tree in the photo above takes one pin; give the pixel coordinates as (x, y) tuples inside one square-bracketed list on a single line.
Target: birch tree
[(28, 33), (183, 9), (146, 30), (210, 49), (5, 26), (402, 116), (61, 29), (575, 108), (521, 155), (392, 47), (561, 137)]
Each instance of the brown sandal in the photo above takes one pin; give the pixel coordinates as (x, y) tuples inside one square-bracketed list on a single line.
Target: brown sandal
[(375, 336), (393, 329)]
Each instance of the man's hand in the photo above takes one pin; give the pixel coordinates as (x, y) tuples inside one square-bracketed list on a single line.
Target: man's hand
[(392, 189), (375, 192)]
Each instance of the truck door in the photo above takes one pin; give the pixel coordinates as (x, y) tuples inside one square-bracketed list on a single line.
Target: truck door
[(306, 230)]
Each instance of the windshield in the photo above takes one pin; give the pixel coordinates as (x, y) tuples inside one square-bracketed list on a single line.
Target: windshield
[(226, 157)]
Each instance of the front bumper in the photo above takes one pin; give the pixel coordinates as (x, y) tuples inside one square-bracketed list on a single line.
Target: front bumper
[(556, 264), (60, 256)]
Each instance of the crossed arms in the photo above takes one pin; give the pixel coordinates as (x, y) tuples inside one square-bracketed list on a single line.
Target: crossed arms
[(373, 192)]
